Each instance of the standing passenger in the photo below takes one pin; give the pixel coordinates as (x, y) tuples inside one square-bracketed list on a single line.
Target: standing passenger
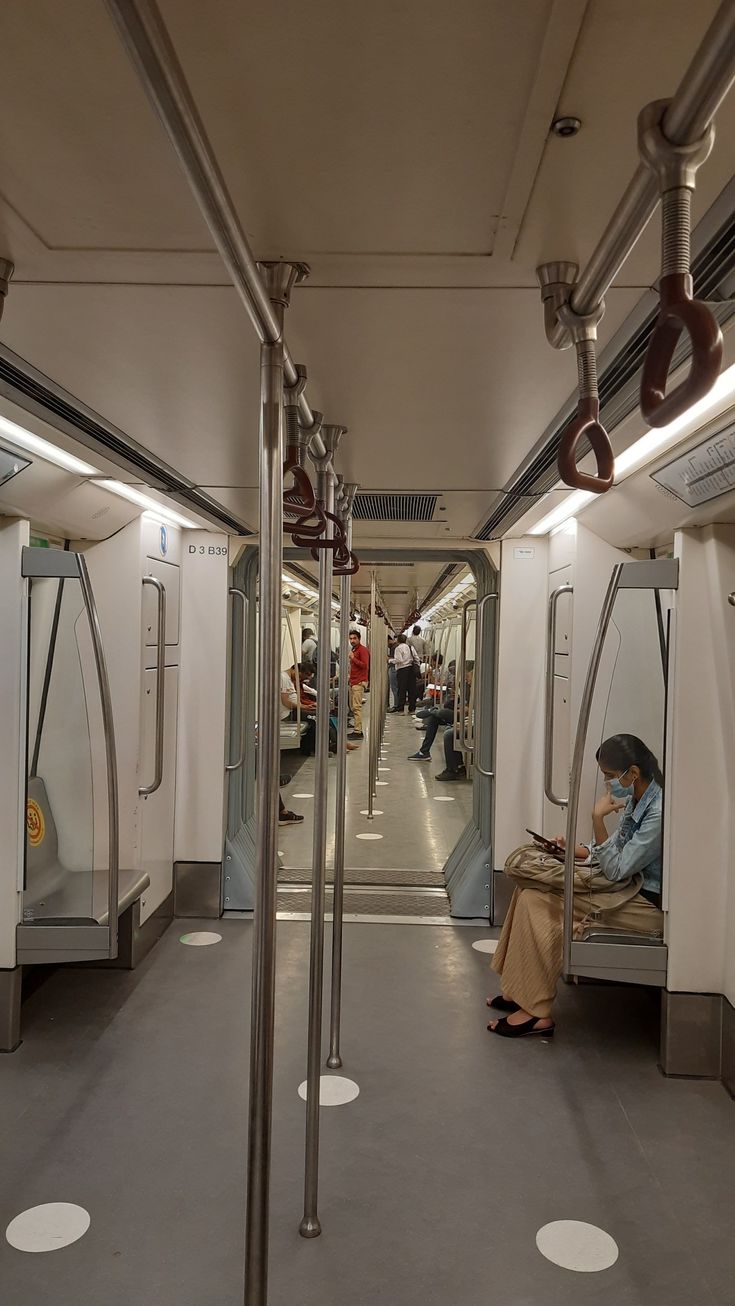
[(308, 645), (407, 663), (392, 673), (417, 642), (359, 672)]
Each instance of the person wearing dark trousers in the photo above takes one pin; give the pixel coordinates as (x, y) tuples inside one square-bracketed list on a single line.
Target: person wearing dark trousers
[(434, 717), (407, 664), (454, 768)]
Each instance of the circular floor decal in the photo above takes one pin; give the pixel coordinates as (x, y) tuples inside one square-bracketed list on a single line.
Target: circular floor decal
[(200, 939), (369, 835), (574, 1245), (443, 798), (365, 812), (384, 768), (382, 782), (46, 1228), (303, 795), (485, 945), (333, 1090)]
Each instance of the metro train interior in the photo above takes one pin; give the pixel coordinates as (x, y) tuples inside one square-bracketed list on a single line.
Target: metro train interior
[(367, 654)]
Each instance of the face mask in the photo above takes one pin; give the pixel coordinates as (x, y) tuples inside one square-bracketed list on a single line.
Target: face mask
[(616, 790)]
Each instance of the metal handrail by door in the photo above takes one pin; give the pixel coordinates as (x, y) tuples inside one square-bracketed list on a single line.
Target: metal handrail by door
[(549, 706), (145, 790), (108, 727), (482, 735), (459, 684), (240, 594), (58, 564)]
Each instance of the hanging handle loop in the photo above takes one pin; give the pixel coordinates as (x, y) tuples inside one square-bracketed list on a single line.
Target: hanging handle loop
[(675, 168), (586, 424)]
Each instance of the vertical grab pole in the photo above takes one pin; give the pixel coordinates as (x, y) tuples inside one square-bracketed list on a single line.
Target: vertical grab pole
[(585, 709), (310, 1226), (279, 279), (372, 754), (334, 1060)]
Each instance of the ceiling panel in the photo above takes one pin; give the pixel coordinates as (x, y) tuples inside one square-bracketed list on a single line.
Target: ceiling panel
[(628, 54), (82, 160), (347, 126)]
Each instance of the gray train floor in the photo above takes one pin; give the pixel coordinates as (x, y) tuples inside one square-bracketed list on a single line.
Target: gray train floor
[(418, 831), (129, 1097)]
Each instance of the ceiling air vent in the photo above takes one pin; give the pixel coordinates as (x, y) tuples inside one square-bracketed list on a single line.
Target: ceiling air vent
[(394, 507)]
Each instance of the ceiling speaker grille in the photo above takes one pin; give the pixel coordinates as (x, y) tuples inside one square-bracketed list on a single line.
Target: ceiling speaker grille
[(394, 507)]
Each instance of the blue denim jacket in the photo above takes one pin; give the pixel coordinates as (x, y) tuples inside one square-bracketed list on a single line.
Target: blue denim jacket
[(636, 844)]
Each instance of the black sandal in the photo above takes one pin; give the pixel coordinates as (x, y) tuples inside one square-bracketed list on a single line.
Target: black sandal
[(519, 1031), (503, 1004)]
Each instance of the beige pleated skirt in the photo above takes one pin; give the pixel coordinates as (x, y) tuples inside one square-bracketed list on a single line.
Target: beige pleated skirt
[(529, 952)]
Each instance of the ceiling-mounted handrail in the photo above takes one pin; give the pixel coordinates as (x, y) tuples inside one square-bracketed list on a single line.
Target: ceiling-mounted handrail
[(701, 91), (144, 35), (583, 331), (675, 169)]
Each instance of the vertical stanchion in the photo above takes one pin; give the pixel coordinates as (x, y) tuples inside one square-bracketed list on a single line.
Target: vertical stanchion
[(310, 1226), (334, 1061), (279, 281), (373, 740)]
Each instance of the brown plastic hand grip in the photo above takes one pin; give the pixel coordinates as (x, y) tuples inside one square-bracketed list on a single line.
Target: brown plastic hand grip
[(350, 568), (308, 529), (679, 312), (587, 423), (338, 542), (299, 501)]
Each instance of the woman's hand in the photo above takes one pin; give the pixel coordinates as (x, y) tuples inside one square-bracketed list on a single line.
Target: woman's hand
[(580, 852), (606, 806)]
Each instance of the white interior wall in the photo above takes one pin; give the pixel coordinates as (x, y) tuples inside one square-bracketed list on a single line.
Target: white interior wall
[(701, 752), (520, 693), (202, 732), (115, 573), (13, 536)]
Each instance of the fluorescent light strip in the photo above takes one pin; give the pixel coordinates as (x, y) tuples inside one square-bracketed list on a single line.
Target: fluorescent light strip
[(644, 450), (34, 444), (144, 501)]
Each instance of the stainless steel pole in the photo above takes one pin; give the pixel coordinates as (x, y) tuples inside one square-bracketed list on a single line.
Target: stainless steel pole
[(372, 741), (266, 857), (145, 37), (334, 1061), (701, 92), (310, 1226), (575, 779)]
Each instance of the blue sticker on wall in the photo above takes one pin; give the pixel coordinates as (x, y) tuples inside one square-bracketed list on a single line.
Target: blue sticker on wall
[(164, 541)]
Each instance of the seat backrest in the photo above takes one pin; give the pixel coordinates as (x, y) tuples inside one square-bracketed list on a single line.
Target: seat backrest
[(43, 871)]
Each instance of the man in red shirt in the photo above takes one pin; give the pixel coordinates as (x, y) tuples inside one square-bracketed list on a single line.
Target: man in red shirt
[(359, 672)]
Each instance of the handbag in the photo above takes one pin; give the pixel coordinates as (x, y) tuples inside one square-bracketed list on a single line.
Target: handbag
[(531, 868)]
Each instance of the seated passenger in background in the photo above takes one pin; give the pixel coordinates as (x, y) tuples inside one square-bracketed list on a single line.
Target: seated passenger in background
[(529, 953), (454, 764), (433, 717)]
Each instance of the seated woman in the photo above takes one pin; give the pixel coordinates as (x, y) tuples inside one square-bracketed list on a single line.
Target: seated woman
[(529, 953)]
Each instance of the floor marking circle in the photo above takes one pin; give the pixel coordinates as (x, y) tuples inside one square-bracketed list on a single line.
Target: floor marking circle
[(333, 1090), (48, 1227), (382, 782), (369, 835), (443, 798), (384, 768), (302, 795), (200, 939), (575, 1245), (485, 945), (365, 811)]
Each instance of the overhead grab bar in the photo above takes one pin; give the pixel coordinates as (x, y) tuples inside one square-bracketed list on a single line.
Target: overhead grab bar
[(240, 594), (675, 169), (145, 790), (481, 733), (700, 93), (583, 332), (549, 712)]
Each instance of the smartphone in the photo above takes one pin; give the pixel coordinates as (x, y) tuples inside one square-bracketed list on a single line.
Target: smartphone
[(548, 845)]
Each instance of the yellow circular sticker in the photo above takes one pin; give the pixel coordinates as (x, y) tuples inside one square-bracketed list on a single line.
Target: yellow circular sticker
[(35, 824)]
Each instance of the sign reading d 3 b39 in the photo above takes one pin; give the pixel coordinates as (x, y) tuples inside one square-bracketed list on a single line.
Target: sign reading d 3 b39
[(208, 550)]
